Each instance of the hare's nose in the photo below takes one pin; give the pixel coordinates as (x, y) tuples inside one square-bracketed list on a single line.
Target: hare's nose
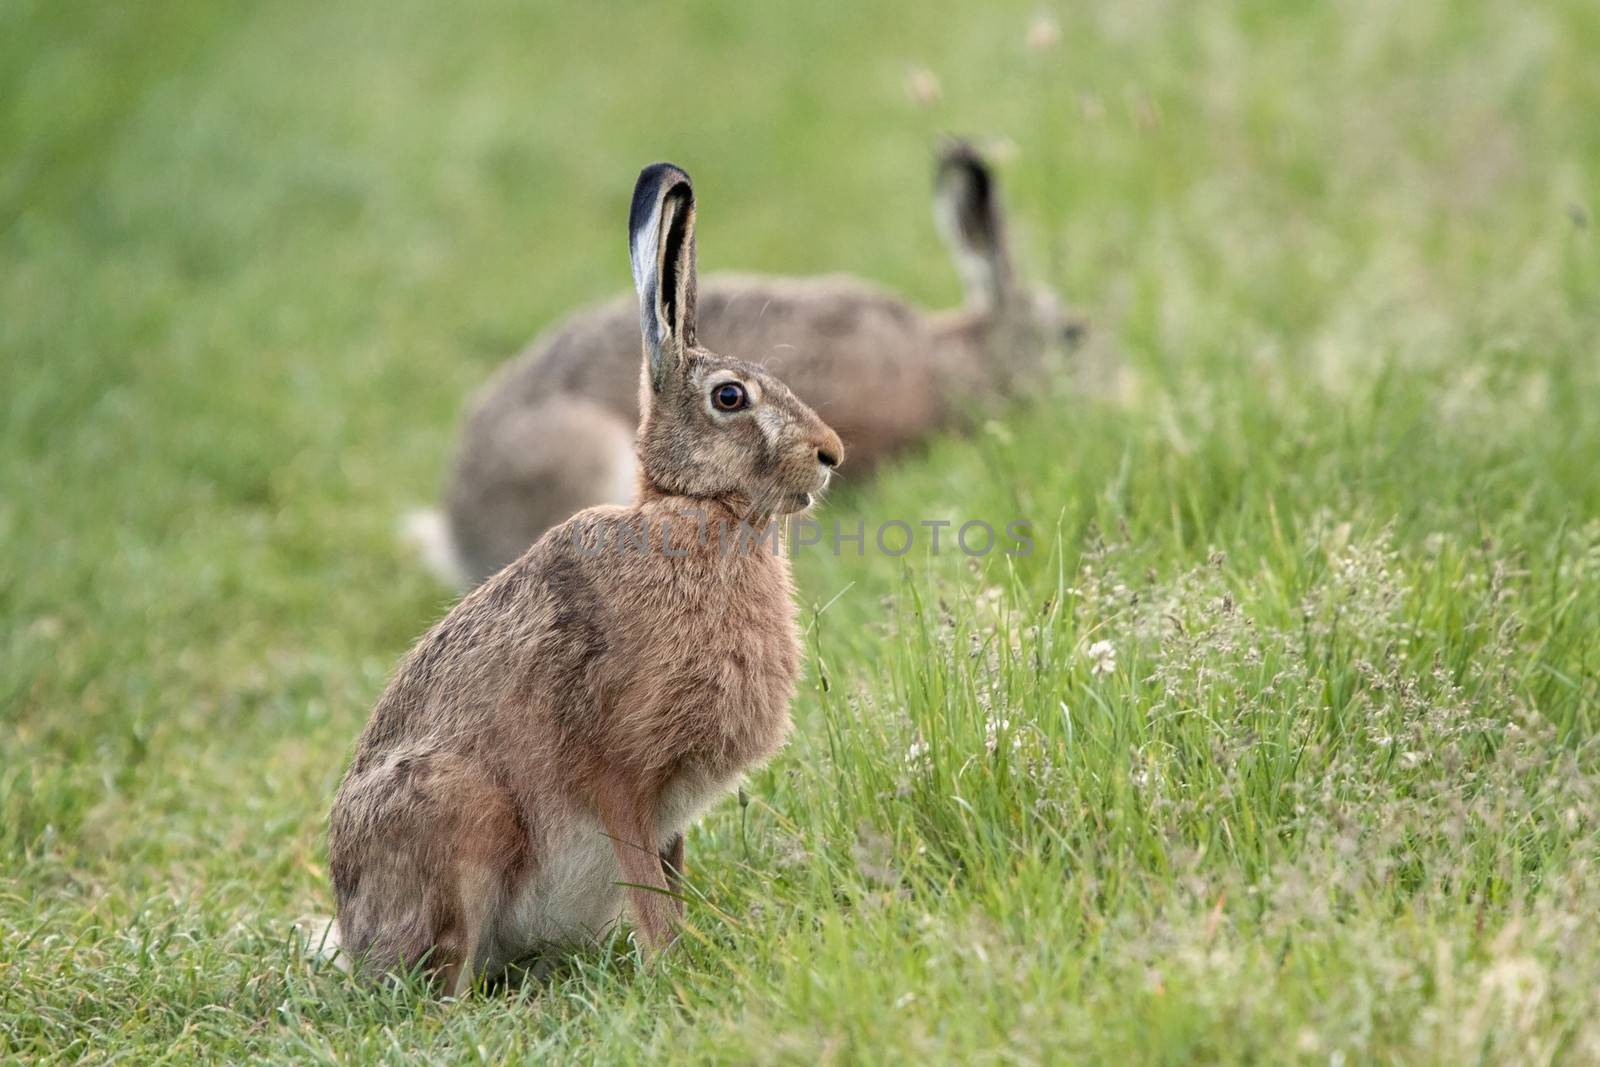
[(830, 450)]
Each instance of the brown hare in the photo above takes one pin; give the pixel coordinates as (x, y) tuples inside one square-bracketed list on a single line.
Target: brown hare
[(552, 432), (532, 766)]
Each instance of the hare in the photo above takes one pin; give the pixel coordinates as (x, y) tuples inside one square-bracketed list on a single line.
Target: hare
[(552, 432), (534, 762)]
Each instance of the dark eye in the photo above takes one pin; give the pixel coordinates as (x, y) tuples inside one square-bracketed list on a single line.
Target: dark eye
[(729, 396)]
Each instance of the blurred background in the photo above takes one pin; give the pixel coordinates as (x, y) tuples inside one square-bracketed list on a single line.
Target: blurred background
[(1340, 261)]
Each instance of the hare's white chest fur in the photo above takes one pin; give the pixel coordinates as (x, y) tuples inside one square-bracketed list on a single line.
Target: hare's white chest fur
[(686, 797), (576, 895)]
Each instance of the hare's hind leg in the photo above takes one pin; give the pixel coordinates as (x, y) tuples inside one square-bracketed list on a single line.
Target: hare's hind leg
[(465, 947), (522, 471), (423, 850)]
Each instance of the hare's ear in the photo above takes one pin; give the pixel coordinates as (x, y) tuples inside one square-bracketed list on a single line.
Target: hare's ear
[(967, 210), (661, 245)]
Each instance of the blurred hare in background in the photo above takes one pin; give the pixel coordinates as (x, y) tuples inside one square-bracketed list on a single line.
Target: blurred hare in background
[(552, 432)]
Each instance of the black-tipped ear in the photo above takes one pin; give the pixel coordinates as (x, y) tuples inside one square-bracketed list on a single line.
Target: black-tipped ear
[(967, 210), (661, 246)]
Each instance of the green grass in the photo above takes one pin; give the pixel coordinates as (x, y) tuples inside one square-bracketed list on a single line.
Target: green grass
[(1327, 487)]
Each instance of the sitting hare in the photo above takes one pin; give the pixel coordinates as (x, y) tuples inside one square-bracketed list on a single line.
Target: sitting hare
[(537, 757), (552, 432)]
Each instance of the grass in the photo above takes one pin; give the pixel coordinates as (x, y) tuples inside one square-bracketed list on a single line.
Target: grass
[(1323, 504)]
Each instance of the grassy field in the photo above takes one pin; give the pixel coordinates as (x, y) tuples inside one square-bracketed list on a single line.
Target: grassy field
[(1323, 500)]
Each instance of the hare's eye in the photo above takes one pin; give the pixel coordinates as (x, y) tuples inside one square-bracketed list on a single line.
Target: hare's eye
[(729, 396)]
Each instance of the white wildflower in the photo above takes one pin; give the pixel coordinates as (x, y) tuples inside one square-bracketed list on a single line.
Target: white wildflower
[(994, 728), (1104, 655), (922, 86), (1044, 33)]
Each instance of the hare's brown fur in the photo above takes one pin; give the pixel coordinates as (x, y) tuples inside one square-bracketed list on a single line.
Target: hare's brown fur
[(545, 437), (550, 741)]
